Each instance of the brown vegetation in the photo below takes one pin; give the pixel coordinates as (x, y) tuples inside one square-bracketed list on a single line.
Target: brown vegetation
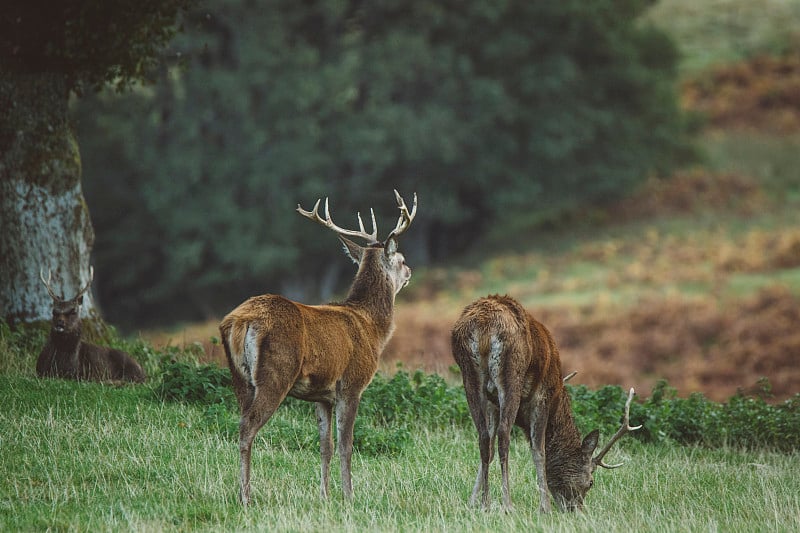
[(696, 344), (762, 93)]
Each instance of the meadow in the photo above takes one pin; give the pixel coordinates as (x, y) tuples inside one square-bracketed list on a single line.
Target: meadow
[(695, 279), (93, 457)]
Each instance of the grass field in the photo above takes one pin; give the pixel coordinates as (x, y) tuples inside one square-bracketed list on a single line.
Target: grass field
[(89, 457), (696, 280)]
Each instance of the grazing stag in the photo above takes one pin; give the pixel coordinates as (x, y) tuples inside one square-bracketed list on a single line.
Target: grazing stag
[(326, 354), (66, 356), (512, 375)]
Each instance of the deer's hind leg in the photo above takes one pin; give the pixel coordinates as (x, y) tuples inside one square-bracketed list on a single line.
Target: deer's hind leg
[(509, 404), (274, 380), (484, 415)]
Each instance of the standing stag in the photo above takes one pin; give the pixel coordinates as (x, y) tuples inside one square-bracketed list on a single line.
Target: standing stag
[(326, 354), (512, 375), (66, 356)]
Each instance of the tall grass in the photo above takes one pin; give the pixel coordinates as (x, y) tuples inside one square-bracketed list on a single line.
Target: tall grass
[(90, 457)]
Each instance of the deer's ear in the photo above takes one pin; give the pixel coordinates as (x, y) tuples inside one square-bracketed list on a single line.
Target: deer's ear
[(590, 442), (390, 248), (352, 250)]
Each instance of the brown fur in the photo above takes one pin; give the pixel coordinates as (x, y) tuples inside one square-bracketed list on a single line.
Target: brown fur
[(512, 374), (66, 356), (326, 354)]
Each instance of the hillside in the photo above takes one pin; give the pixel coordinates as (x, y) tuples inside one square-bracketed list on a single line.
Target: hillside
[(695, 279)]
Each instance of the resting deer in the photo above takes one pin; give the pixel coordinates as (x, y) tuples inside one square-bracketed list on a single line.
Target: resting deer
[(326, 354), (66, 356), (512, 375)]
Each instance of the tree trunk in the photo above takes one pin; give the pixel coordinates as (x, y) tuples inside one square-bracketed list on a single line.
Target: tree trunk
[(44, 220)]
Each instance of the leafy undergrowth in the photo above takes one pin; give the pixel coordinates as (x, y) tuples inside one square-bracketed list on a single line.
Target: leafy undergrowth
[(393, 407)]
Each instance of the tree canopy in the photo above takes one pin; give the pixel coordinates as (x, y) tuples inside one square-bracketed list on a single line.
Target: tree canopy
[(92, 43), (500, 113), (49, 50)]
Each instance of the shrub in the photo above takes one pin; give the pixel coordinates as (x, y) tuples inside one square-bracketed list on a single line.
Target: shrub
[(393, 407), (195, 383)]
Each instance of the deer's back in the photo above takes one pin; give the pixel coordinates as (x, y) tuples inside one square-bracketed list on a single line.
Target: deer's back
[(498, 338), (99, 363), (327, 340)]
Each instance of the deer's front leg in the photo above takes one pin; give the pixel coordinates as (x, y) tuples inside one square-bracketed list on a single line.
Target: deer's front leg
[(538, 432), (324, 421), (346, 409)]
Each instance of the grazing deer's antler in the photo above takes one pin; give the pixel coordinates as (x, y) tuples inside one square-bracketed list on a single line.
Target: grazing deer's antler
[(405, 217), (371, 238), (625, 428)]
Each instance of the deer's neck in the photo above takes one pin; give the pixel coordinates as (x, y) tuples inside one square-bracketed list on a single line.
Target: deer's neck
[(372, 292), (562, 433), (66, 342)]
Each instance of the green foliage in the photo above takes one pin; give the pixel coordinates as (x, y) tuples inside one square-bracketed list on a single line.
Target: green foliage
[(499, 115), (393, 408), (743, 422), (195, 383), (414, 399), (390, 407)]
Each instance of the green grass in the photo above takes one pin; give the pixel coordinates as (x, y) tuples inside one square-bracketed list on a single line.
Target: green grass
[(91, 457)]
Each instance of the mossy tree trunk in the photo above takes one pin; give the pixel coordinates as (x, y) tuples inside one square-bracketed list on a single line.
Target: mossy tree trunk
[(44, 220)]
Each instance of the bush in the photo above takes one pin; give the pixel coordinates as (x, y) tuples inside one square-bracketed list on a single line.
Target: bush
[(393, 407), (422, 399)]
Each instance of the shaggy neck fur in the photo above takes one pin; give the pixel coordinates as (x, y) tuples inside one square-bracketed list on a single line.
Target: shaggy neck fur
[(563, 439), (372, 290)]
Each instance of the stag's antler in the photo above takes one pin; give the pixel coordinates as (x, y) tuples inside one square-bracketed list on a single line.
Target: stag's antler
[(371, 238), (46, 282), (570, 376), (626, 427), (88, 284), (405, 217), (53, 294)]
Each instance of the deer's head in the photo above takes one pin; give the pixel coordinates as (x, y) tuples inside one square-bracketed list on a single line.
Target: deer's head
[(66, 312), (571, 476), (385, 253)]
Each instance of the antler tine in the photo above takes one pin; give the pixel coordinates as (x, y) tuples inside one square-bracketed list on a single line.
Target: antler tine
[(88, 284), (46, 282), (372, 238), (405, 217), (625, 428), (570, 376)]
